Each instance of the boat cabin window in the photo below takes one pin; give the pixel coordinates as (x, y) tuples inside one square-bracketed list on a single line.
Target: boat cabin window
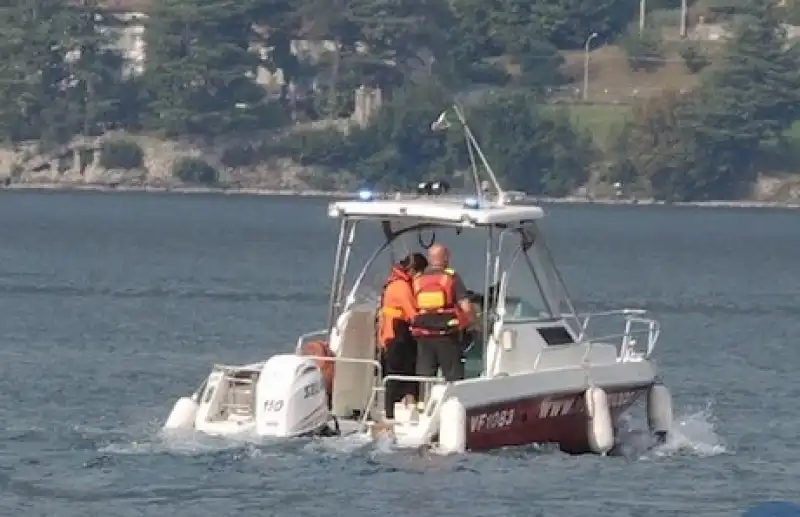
[(555, 336)]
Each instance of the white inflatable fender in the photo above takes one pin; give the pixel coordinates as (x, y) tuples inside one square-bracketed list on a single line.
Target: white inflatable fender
[(600, 426), (452, 426), (659, 410), (183, 414)]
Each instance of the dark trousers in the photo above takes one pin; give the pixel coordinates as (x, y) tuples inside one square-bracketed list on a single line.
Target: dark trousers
[(445, 352), (399, 358)]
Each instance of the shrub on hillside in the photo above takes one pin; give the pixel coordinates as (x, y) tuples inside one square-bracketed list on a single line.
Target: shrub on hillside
[(121, 154), (643, 49), (241, 155), (694, 59), (195, 170), (323, 147), (790, 13), (665, 17)]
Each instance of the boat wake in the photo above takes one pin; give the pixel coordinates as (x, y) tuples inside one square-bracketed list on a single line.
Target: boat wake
[(694, 434)]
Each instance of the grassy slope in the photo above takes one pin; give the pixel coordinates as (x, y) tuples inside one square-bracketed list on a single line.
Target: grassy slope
[(613, 87)]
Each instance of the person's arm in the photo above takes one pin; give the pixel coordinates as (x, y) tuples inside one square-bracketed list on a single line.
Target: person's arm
[(461, 295), (408, 304)]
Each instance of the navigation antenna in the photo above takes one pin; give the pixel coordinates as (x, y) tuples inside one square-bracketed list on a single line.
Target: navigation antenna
[(473, 148)]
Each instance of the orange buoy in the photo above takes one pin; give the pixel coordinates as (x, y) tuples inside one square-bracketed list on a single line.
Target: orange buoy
[(321, 349)]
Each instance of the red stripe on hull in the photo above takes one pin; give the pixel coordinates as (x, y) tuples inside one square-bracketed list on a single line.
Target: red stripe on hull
[(559, 419)]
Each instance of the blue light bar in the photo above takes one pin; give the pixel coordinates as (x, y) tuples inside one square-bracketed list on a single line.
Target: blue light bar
[(365, 195), (472, 203)]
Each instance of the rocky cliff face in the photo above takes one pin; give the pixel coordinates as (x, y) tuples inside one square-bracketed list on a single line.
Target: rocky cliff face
[(80, 163)]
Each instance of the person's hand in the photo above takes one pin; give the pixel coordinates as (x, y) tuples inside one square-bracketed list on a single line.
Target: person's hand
[(476, 298)]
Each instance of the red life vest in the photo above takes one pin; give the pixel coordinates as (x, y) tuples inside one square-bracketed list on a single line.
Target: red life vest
[(438, 314)]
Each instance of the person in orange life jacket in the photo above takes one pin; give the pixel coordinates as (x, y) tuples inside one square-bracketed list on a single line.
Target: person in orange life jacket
[(398, 349), (444, 312)]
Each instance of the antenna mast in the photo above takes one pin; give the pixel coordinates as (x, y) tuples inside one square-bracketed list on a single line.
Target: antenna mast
[(474, 148)]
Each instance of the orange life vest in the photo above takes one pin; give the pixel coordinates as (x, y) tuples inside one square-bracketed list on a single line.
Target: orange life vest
[(396, 305), (437, 311)]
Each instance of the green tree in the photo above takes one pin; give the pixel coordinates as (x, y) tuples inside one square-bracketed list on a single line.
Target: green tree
[(517, 29), (404, 39), (705, 146), (200, 72), (660, 145), (751, 98), (474, 38), (755, 92), (60, 75), (34, 77), (95, 71), (643, 49), (668, 143), (399, 148), (279, 22), (609, 18), (532, 151), (694, 58)]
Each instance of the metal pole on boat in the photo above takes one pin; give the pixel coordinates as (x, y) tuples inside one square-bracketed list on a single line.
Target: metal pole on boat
[(471, 137), (684, 13), (335, 281), (487, 281), (562, 284), (346, 260), (474, 166)]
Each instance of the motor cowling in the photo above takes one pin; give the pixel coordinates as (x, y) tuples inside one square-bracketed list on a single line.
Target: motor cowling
[(290, 397)]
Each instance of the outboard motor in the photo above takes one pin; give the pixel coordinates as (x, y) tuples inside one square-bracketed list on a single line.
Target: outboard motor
[(290, 397)]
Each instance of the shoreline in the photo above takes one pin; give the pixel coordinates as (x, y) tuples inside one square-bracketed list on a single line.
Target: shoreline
[(333, 194)]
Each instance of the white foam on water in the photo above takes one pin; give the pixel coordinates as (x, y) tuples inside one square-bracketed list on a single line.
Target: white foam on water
[(183, 442), (155, 440), (346, 444), (693, 432)]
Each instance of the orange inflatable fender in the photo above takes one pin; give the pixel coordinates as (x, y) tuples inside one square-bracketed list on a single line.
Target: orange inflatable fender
[(321, 349)]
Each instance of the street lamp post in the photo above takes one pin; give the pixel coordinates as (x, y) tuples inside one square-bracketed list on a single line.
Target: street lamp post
[(586, 66), (684, 9), (642, 14)]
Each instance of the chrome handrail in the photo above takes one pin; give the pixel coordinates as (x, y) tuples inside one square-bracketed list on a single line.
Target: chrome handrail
[(303, 337), (631, 317), (354, 360), (382, 388)]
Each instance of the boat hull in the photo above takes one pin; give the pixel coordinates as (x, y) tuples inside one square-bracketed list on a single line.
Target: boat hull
[(560, 419)]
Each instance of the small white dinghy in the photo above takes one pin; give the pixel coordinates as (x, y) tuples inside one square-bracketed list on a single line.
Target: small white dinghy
[(536, 373)]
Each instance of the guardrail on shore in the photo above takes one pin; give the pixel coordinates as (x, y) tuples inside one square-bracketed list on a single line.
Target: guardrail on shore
[(341, 194)]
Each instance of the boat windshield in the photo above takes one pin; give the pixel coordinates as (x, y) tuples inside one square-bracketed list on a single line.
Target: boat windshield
[(367, 275), (531, 287), (523, 288)]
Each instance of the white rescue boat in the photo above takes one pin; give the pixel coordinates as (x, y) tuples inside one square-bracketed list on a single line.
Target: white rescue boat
[(537, 372)]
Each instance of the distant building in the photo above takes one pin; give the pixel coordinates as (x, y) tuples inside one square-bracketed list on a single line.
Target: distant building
[(126, 28)]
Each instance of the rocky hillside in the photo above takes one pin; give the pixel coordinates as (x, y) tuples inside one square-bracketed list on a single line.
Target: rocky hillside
[(134, 160)]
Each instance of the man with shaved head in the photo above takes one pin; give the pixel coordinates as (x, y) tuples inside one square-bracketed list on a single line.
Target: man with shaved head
[(443, 313)]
